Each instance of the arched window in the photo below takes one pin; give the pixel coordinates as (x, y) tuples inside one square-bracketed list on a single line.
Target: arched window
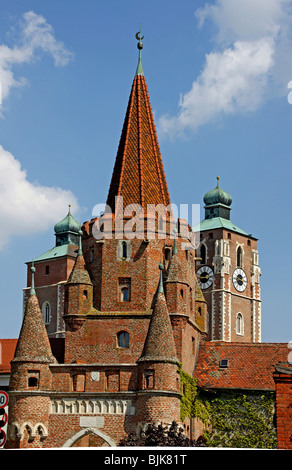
[(125, 294), (203, 253), (239, 257), (123, 339), (124, 289), (46, 311), (239, 324)]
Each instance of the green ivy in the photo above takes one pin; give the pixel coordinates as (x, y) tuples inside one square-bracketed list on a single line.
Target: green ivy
[(232, 418), (240, 420), (189, 393)]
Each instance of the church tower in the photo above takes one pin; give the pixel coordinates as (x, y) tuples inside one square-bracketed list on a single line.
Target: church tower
[(228, 273), (53, 269)]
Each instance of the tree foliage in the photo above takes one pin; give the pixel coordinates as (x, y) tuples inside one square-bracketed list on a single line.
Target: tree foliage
[(161, 436)]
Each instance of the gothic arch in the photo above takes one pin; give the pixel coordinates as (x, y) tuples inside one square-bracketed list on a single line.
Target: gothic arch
[(84, 432)]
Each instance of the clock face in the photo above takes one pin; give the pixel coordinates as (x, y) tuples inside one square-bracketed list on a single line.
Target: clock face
[(205, 277), (239, 280)]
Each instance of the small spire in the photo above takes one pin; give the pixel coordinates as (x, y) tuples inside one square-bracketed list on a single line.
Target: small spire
[(139, 70), (218, 178), (160, 285), (32, 289), (174, 251), (69, 208), (80, 243)]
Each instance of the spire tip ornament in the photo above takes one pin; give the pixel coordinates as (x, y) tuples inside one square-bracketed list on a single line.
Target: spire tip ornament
[(139, 38), (32, 289)]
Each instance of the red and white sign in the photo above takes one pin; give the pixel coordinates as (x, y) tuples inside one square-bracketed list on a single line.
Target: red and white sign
[(4, 399), (3, 417), (2, 437)]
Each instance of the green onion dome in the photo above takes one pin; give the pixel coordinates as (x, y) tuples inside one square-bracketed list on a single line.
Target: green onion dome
[(217, 196), (68, 224)]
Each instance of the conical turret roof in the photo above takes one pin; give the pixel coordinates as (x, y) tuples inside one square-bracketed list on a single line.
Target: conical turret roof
[(33, 343), (159, 345), (79, 273)]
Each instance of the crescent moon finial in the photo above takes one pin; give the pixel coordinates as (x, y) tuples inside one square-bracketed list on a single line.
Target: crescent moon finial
[(139, 38)]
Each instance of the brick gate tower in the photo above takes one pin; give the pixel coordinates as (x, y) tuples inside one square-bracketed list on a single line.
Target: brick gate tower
[(229, 273), (134, 313)]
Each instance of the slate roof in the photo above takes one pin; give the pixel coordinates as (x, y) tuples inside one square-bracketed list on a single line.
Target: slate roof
[(250, 365)]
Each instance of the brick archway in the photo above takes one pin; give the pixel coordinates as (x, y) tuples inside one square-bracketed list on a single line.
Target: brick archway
[(90, 437)]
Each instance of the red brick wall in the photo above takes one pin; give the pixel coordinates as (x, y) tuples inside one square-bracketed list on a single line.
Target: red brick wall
[(59, 271), (283, 383)]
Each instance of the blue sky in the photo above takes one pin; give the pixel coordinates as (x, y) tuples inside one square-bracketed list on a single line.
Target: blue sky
[(217, 74)]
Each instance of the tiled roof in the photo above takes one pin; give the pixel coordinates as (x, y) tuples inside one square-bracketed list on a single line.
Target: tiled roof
[(250, 365), (33, 342), (7, 349), (138, 174)]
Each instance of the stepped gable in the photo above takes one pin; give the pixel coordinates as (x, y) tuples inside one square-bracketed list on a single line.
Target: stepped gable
[(250, 365), (33, 344), (138, 174), (159, 344)]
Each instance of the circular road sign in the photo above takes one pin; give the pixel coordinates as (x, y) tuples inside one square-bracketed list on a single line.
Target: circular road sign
[(3, 417), (2, 437), (3, 399)]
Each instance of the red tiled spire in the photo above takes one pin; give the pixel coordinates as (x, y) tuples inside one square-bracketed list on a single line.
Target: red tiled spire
[(138, 174)]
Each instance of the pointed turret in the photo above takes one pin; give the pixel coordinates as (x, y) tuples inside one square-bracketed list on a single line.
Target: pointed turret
[(33, 343), (158, 375), (159, 344), (138, 174), (79, 288), (79, 273)]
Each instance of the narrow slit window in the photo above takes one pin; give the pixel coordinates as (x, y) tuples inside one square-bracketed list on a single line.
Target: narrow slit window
[(125, 250), (239, 257), (203, 254), (239, 324)]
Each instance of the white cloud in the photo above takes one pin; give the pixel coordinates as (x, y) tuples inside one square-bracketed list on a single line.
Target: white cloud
[(35, 36), (38, 34), (27, 208), (232, 81), (252, 45), (243, 19)]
